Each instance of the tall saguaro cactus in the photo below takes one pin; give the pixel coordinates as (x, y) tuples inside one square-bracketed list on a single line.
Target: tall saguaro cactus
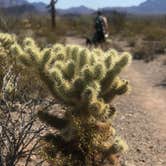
[(85, 82), (53, 12)]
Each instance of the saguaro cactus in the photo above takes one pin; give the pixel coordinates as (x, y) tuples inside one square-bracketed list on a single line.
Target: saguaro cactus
[(53, 12), (85, 82)]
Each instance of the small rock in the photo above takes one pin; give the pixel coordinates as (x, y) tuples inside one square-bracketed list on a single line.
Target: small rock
[(127, 163), (142, 160), (151, 147), (138, 150)]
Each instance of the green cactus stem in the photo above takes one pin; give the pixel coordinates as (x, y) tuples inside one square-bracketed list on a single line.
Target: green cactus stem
[(85, 82)]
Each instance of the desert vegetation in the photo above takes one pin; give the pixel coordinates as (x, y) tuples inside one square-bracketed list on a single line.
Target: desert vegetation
[(58, 101), (142, 33), (79, 83)]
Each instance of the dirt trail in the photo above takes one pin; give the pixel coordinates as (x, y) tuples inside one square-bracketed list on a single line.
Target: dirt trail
[(151, 98), (141, 118), (141, 115)]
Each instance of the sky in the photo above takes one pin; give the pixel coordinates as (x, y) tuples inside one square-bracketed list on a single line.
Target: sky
[(93, 3)]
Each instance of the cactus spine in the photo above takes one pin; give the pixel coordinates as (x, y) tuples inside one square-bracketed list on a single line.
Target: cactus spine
[(86, 82)]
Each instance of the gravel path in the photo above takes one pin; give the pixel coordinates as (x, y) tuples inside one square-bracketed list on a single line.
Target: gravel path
[(141, 117)]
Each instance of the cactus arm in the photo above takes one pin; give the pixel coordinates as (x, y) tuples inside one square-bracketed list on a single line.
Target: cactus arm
[(52, 120), (114, 72)]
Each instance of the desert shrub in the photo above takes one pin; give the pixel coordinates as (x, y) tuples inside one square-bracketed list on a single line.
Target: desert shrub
[(154, 33), (151, 28), (19, 137), (133, 28), (117, 21), (144, 52), (6, 61), (42, 29), (132, 42), (7, 23), (27, 80), (76, 25), (84, 82), (148, 50), (160, 47), (66, 25), (140, 53)]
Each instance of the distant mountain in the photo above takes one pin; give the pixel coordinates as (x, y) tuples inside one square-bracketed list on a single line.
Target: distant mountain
[(76, 10), (152, 6), (147, 7), (11, 3), (40, 6), (20, 9)]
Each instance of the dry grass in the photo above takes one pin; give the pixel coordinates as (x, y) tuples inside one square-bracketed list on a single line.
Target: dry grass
[(150, 29)]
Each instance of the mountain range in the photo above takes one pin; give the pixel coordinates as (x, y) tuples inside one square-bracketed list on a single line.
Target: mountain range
[(147, 7), (76, 10), (23, 6), (11, 3)]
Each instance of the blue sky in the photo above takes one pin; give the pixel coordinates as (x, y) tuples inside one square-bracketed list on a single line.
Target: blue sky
[(93, 3)]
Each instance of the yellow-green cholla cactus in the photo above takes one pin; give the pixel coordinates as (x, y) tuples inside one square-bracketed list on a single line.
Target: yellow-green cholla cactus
[(86, 82)]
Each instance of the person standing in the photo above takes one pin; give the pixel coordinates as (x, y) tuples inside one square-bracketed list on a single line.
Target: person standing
[(101, 28)]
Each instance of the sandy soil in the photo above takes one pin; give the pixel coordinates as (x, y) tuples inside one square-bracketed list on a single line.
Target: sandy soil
[(141, 117)]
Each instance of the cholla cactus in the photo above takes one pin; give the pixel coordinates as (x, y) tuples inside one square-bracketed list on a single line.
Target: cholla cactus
[(6, 40), (85, 81)]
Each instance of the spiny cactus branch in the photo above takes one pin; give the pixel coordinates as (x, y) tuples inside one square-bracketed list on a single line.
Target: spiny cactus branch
[(85, 82)]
